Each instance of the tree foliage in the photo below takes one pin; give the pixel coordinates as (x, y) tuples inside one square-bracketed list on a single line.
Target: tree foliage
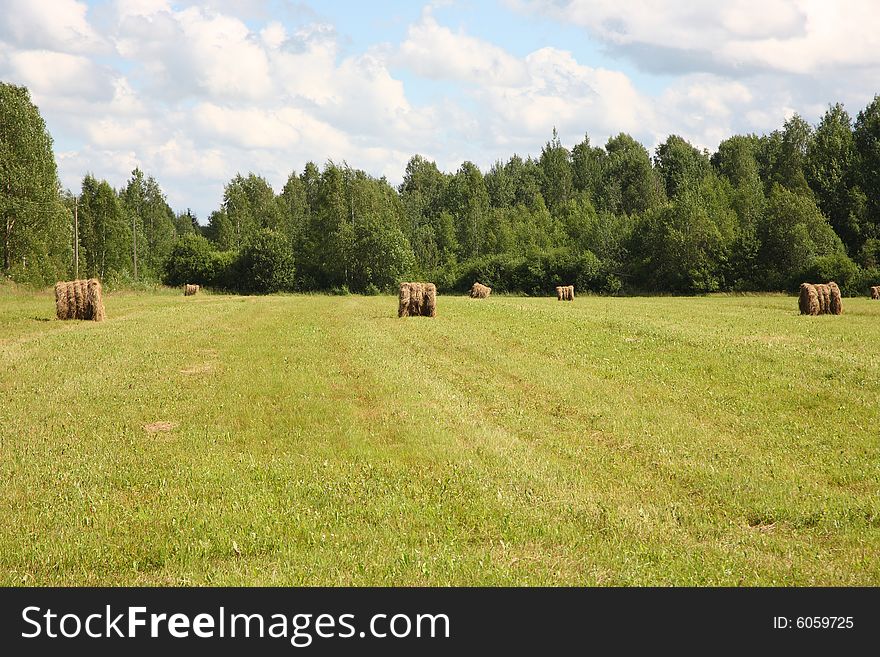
[(761, 213)]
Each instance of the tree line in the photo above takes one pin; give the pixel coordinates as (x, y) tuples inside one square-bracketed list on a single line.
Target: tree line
[(762, 213)]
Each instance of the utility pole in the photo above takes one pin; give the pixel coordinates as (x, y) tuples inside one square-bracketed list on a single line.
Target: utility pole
[(75, 238)]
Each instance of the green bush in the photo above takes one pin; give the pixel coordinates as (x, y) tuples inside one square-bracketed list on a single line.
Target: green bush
[(266, 264), (835, 267), (191, 261)]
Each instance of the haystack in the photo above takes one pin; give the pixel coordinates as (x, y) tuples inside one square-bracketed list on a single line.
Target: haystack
[(824, 292), (61, 300), (96, 300), (875, 292), (417, 300), (80, 299), (835, 305), (565, 293), (480, 291), (808, 300), (820, 299), (190, 290)]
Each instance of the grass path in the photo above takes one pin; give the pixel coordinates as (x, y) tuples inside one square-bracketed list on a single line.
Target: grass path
[(320, 440)]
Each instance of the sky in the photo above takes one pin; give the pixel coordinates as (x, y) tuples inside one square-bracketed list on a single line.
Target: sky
[(195, 92)]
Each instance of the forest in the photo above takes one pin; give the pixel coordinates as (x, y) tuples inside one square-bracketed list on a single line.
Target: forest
[(762, 213)]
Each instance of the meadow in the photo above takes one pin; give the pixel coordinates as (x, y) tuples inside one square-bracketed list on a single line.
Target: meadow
[(320, 440)]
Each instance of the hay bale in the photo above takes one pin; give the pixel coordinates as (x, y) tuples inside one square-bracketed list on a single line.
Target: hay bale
[(480, 291), (824, 298), (61, 300), (82, 299), (820, 299), (565, 292), (429, 304), (875, 292), (417, 300), (835, 305), (808, 300), (95, 306), (403, 300), (79, 299), (71, 299)]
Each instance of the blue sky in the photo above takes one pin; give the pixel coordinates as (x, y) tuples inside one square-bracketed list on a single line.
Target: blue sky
[(194, 92)]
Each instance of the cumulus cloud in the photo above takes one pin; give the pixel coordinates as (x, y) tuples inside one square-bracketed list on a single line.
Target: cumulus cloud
[(49, 24), (795, 36), (435, 51)]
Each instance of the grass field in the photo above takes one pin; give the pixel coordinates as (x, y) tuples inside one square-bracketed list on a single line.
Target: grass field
[(320, 440)]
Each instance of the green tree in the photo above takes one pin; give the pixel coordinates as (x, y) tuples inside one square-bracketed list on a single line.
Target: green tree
[(830, 171), (587, 163), (104, 231), (153, 221), (866, 135), (681, 166), (467, 200), (556, 178), (629, 182), (792, 232), (36, 227), (249, 204)]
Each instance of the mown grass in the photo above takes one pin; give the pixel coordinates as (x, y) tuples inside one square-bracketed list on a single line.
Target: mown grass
[(320, 440)]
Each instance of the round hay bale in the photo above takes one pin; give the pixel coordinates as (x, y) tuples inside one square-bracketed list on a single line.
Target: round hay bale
[(417, 299), (95, 309), (61, 309), (403, 300), (429, 300), (480, 291), (808, 300), (835, 304), (71, 299), (82, 299), (824, 293)]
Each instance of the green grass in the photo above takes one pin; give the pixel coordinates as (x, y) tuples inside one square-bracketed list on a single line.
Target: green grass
[(320, 440)]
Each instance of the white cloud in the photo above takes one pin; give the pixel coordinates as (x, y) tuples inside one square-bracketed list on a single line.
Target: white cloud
[(795, 36), (434, 51), (563, 93), (50, 73), (49, 24)]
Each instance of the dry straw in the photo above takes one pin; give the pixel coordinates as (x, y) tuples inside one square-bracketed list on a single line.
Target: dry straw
[(565, 292), (417, 300), (80, 299), (190, 290), (480, 291), (808, 300), (820, 299), (835, 307), (61, 300), (824, 298)]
